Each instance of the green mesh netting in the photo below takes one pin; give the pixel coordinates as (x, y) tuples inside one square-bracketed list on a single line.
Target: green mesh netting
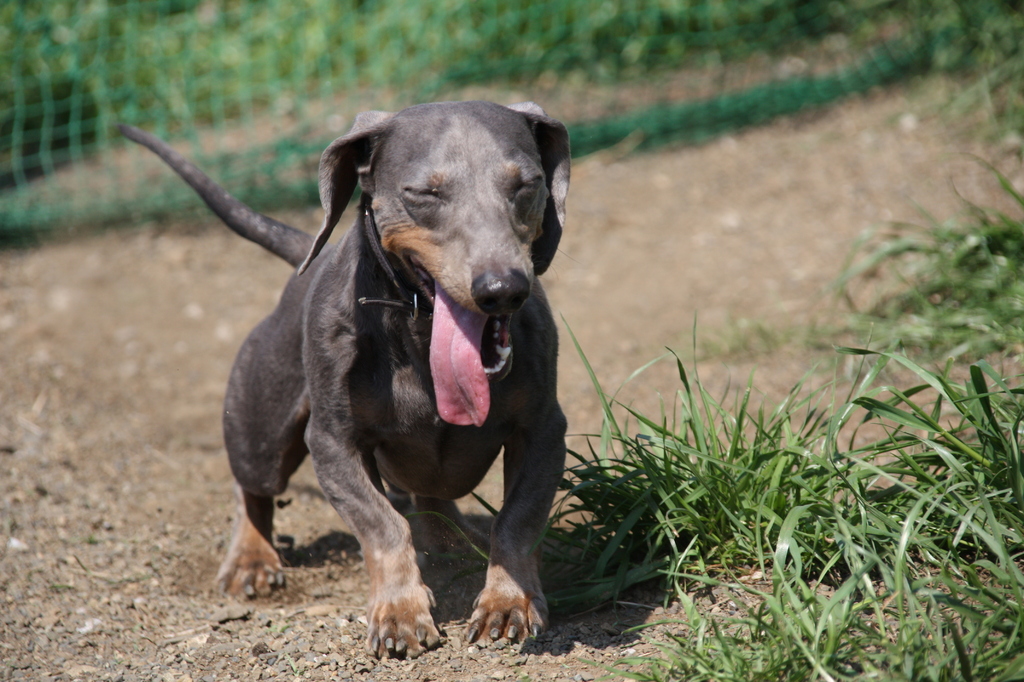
[(260, 88)]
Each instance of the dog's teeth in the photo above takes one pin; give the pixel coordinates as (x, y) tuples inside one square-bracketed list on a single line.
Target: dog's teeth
[(497, 327), (503, 353)]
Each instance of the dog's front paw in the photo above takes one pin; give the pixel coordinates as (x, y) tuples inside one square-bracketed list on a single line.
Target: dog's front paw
[(251, 567), (400, 624), (509, 612)]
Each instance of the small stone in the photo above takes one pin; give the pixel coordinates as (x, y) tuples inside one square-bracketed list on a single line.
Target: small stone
[(88, 626), (908, 122), (231, 612), (16, 545), (80, 670), (321, 610)]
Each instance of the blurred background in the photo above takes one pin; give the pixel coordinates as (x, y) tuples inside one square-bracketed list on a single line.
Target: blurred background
[(257, 89)]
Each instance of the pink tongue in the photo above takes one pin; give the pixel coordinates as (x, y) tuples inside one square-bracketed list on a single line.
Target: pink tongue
[(460, 385)]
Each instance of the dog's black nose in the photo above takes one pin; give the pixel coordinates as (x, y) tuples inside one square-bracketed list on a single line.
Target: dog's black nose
[(501, 294)]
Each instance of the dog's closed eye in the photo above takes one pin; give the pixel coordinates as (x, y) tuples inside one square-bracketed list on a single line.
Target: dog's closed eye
[(422, 201), (523, 186), (424, 193)]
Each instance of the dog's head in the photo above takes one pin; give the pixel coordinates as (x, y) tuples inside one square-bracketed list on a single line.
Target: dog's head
[(454, 175), (469, 198)]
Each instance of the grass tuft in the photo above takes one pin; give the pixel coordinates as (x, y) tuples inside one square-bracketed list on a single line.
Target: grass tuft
[(887, 523), (960, 285)]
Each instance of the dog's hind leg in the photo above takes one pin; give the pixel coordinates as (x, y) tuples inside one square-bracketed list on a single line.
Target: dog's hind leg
[(252, 565), (265, 414)]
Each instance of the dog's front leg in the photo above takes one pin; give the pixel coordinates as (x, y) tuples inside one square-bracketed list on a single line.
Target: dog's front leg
[(398, 613), (512, 603)]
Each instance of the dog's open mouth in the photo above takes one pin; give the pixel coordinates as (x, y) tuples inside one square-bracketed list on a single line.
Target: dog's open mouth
[(496, 347), (468, 350)]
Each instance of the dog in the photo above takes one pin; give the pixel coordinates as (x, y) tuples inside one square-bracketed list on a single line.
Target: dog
[(389, 358)]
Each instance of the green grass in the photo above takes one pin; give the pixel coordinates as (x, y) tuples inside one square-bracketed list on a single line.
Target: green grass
[(959, 285), (982, 39), (887, 521)]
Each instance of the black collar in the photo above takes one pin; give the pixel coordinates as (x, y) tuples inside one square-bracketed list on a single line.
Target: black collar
[(412, 297)]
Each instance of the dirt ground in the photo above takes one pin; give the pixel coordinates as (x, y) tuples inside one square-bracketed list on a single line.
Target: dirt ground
[(114, 351)]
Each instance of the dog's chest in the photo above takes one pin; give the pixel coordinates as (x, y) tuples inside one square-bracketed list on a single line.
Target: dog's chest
[(413, 446), (446, 462)]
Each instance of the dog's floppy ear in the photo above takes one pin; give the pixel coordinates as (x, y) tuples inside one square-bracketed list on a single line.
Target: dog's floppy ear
[(339, 173), (553, 143)]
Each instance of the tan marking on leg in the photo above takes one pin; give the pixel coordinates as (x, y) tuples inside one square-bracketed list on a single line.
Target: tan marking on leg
[(252, 565), (398, 617), (511, 605)]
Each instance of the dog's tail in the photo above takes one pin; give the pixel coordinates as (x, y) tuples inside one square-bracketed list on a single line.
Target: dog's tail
[(282, 240)]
